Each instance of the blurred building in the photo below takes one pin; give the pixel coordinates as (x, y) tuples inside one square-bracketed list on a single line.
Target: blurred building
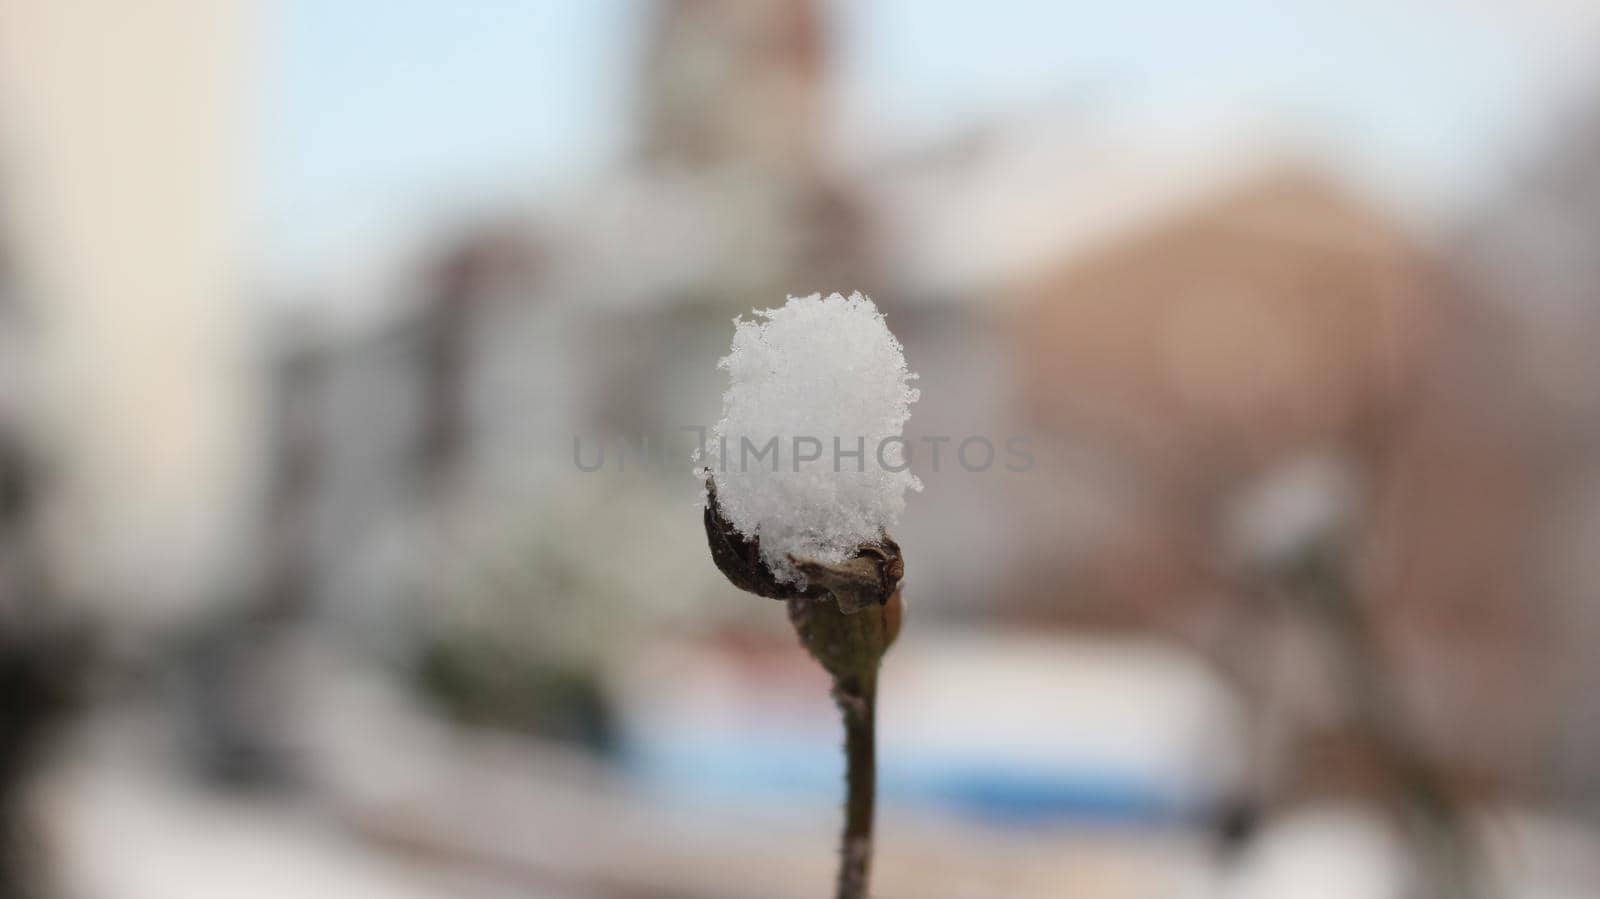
[(1280, 320), (1528, 256), (1280, 317), (737, 85)]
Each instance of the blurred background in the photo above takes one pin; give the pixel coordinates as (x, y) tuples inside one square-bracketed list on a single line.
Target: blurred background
[(348, 538)]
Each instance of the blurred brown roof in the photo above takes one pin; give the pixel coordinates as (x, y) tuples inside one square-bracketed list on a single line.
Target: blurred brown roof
[(1284, 313)]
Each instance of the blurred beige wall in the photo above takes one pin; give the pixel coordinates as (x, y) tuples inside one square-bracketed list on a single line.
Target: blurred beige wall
[(120, 148)]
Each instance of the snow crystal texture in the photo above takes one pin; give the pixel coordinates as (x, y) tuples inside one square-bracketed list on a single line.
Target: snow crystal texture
[(818, 375)]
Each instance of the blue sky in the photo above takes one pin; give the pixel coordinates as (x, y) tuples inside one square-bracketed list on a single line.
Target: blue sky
[(379, 112)]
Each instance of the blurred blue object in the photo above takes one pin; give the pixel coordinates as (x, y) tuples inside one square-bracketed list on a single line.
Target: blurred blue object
[(1132, 733)]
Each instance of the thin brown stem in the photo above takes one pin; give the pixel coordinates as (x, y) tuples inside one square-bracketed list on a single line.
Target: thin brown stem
[(850, 646), (857, 698)]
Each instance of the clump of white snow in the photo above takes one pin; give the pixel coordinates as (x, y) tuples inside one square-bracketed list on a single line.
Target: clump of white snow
[(1293, 507), (810, 385)]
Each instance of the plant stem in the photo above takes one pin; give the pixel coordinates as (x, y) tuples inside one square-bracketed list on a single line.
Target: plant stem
[(850, 647), (857, 698)]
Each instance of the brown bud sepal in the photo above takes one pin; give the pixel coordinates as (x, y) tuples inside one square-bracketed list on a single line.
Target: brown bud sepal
[(865, 580)]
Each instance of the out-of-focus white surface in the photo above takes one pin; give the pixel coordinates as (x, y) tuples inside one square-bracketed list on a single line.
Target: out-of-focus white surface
[(1323, 853), (124, 822), (399, 806)]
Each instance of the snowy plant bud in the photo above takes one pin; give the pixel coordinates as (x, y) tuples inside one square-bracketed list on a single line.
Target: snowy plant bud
[(789, 520), (816, 389)]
